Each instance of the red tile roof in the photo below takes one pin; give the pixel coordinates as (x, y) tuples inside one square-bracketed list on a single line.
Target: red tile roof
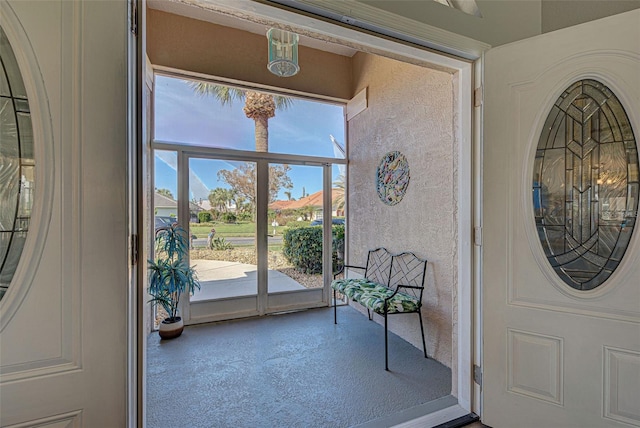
[(314, 200)]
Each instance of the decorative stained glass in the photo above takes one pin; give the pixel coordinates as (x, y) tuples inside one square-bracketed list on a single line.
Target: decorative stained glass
[(17, 164), (585, 184)]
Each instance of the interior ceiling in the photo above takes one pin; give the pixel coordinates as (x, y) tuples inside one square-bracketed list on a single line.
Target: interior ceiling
[(201, 10)]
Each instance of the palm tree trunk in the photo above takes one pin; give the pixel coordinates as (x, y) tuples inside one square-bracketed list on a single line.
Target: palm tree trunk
[(262, 133)]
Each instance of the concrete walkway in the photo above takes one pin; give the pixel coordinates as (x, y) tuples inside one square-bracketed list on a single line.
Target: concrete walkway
[(221, 279)]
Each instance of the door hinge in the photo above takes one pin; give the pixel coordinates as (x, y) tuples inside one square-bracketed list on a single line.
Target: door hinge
[(477, 236), (478, 96), (134, 250), (477, 375), (133, 18)]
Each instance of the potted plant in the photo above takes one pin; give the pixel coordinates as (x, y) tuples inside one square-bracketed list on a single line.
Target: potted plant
[(170, 276)]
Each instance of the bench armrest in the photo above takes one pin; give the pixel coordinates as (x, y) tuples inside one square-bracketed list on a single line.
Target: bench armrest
[(347, 266), (399, 286)]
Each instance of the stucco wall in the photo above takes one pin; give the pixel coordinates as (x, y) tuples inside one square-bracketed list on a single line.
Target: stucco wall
[(410, 110)]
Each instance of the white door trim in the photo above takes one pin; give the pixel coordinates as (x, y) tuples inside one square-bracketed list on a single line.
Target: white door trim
[(468, 176)]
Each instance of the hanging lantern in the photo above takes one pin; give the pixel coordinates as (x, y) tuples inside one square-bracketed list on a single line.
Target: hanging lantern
[(283, 52)]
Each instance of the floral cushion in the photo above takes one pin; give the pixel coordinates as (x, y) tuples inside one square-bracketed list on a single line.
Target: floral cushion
[(399, 303), (355, 290), (353, 287), (372, 295)]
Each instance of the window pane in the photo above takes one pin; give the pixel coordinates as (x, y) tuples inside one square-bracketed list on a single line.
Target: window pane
[(11, 67), (223, 227), (295, 208), (165, 199), (191, 112), (26, 137)]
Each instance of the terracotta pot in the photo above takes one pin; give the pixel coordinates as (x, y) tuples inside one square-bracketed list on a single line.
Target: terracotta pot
[(170, 328)]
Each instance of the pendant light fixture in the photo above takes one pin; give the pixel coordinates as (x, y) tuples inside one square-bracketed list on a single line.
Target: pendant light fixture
[(283, 52)]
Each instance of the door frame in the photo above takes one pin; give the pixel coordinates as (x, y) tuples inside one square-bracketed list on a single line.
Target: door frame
[(433, 46)]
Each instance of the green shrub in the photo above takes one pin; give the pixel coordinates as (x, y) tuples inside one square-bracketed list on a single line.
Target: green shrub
[(204, 217), (338, 237), (302, 247), (297, 224), (228, 217), (245, 216), (338, 247)]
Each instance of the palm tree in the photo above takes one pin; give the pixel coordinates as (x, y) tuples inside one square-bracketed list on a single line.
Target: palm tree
[(219, 198), (165, 192), (257, 106)]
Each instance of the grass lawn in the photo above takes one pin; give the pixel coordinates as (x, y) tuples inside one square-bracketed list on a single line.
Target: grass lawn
[(227, 230)]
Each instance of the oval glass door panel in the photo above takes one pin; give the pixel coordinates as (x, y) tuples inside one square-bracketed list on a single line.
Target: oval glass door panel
[(17, 165), (585, 185)]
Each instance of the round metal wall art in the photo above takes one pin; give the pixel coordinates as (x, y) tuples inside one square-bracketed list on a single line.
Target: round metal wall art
[(392, 178), (585, 185)]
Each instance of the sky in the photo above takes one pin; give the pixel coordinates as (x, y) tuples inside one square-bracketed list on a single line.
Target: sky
[(181, 116)]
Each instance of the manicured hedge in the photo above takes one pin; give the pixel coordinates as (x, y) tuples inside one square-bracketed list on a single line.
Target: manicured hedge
[(303, 247), (294, 224), (204, 217)]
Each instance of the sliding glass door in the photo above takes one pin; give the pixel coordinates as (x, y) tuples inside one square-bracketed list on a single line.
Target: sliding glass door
[(295, 248), (223, 234)]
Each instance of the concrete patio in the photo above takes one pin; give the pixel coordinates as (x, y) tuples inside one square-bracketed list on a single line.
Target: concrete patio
[(223, 279), (290, 370)]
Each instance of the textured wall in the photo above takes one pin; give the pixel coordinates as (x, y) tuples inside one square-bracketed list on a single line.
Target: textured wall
[(410, 110)]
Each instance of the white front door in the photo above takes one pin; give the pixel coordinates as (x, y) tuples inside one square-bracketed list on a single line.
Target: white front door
[(554, 355), (63, 320)]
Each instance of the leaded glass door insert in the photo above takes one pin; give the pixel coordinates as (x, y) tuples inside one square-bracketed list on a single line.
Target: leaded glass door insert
[(17, 165), (585, 184)]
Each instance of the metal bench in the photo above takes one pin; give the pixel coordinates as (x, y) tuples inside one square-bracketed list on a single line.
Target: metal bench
[(392, 284)]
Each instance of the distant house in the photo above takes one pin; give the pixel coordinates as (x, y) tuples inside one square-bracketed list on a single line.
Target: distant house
[(168, 207), (205, 204), (312, 202)]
